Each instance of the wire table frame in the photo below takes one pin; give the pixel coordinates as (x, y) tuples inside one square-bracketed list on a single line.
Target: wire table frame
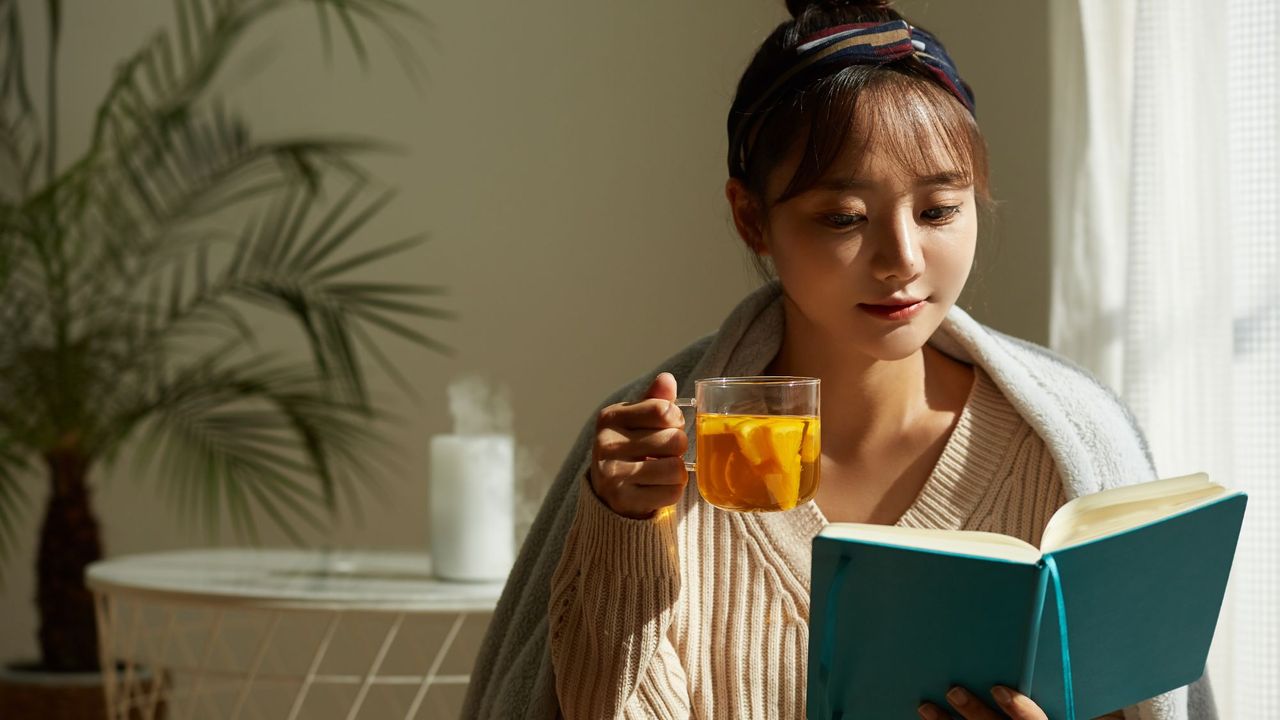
[(289, 634)]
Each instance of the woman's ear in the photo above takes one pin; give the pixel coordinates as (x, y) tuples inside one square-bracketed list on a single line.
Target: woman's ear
[(748, 216)]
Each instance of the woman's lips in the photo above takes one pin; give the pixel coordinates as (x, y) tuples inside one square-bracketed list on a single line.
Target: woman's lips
[(893, 312)]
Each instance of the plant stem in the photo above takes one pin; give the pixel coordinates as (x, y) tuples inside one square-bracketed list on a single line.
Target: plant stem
[(58, 265), (51, 79), (69, 541)]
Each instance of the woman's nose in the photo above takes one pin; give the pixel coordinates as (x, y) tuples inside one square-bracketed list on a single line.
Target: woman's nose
[(897, 256)]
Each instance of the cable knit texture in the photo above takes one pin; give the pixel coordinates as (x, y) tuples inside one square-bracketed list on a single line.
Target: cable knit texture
[(702, 613), (626, 641)]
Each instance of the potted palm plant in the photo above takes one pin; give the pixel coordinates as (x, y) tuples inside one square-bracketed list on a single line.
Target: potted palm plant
[(127, 277)]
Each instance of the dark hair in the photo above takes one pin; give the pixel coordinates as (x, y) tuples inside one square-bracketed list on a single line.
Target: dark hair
[(899, 106), (797, 7)]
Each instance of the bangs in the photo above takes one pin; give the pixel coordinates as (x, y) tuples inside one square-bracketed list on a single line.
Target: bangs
[(908, 117)]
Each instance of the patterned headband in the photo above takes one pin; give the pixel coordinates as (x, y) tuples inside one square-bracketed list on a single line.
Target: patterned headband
[(834, 49)]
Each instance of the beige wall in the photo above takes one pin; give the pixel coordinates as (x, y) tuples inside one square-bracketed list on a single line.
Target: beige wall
[(567, 160)]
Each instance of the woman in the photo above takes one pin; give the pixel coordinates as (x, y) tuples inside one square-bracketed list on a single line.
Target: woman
[(857, 171)]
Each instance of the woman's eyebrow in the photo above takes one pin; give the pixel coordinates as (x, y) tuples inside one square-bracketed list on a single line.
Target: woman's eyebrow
[(843, 183), (949, 178), (952, 179)]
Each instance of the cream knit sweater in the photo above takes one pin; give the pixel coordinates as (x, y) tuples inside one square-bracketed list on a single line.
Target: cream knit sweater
[(703, 612), (1088, 432)]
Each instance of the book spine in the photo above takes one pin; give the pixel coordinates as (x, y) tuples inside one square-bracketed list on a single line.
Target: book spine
[(1033, 628)]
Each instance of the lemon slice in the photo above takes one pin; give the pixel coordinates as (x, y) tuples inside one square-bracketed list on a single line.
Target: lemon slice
[(708, 425), (753, 439), (810, 447), (784, 439), (784, 487)]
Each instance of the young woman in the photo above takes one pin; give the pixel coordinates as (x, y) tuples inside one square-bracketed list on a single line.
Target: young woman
[(856, 176)]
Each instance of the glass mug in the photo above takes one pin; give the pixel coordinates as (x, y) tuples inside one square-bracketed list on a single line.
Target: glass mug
[(758, 441)]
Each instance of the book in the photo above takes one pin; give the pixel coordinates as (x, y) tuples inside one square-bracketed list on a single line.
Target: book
[(1117, 605)]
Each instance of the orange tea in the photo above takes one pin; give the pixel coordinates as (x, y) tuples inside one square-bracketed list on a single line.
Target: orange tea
[(757, 462)]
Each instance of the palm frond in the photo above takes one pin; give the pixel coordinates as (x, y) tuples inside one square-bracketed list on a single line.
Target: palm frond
[(21, 288), (43, 382), (14, 466), (162, 82), (283, 266), (228, 436), (21, 147), (25, 411), (140, 211), (147, 232), (387, 16)]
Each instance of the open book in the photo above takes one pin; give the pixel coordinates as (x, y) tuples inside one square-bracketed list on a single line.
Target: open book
[(1118, 604)]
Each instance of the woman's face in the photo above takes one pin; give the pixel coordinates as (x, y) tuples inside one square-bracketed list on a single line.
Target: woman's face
[(871, 234)]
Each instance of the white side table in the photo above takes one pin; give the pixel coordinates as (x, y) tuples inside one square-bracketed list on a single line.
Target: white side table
[(281, 634)]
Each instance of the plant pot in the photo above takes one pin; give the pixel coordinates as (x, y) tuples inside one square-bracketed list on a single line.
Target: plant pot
[(28, 693)]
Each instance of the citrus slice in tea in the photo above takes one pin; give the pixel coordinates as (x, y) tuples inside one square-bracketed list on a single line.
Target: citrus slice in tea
[(753, 439), (810, 447), (772, 446), (757, 462), (785, 435), (743, 483), (784, 488)]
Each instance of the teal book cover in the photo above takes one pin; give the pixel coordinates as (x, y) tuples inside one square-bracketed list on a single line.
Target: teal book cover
[(1136, 578)]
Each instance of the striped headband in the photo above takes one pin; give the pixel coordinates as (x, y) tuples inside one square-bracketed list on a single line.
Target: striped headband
[(831, 50)]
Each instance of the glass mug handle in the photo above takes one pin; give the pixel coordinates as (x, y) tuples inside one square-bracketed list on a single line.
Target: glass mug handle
[(687, 403)]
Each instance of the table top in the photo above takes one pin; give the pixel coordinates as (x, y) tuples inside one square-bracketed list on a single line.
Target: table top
[(302, 579)]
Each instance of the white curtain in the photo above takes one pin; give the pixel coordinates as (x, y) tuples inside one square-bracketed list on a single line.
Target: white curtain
[(1166, 252)]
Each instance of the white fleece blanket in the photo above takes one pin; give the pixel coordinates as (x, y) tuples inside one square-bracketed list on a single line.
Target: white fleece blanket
[(1091, 435)]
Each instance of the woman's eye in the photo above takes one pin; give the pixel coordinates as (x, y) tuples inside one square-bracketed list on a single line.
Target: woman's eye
[(940, 213), (842, 220)]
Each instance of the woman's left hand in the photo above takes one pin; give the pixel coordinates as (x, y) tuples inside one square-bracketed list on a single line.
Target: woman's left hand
[(1013, 705)]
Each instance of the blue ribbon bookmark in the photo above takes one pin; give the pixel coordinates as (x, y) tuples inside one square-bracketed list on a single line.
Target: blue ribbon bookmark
[(1067, 688)]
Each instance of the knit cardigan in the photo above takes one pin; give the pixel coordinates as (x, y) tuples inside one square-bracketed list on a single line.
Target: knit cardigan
[(1093, 439)]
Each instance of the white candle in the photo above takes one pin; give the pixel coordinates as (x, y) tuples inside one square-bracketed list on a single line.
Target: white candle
[(472, 497)]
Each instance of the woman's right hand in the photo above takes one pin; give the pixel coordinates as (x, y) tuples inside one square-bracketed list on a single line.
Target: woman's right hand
[(637, 460)]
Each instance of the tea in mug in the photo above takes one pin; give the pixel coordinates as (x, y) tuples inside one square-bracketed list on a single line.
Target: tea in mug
[(757, 462)]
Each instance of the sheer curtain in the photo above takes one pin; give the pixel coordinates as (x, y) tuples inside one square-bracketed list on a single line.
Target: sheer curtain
[(1166, 277)]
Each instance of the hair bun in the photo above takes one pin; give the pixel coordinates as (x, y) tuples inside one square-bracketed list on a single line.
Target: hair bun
[(797, 7)]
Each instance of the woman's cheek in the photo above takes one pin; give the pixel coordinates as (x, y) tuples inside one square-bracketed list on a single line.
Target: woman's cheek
[(953, 261)]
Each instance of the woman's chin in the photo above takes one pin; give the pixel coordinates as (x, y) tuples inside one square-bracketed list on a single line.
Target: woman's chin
[(893, 352), (898, 343)]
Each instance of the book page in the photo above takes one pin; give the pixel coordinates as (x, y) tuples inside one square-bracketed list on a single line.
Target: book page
[(1110, 511), (961, 542)]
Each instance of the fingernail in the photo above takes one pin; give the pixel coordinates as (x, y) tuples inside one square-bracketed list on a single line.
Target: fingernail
[(1002, 695), (958, 697), (927, 712)]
